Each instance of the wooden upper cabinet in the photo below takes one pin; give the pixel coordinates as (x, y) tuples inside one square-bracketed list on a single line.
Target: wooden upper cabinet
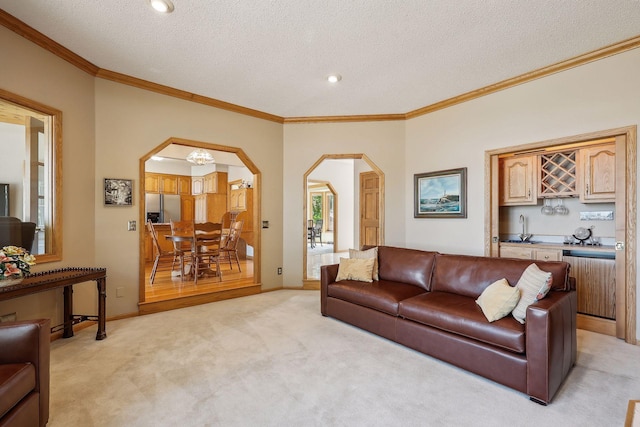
[(558, 173), (151, 183), (215, 182), (169, 184), (598, 175), (197, 185), (184, 185), (518, 181)]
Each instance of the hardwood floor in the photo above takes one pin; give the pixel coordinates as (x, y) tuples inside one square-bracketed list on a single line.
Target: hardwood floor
[(169, 291)]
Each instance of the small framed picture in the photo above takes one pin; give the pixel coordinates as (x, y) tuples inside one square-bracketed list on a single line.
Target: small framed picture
[(118, 192), (441, 194)]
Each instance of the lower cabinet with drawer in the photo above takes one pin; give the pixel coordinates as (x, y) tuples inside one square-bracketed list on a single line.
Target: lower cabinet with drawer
[(528, 252)]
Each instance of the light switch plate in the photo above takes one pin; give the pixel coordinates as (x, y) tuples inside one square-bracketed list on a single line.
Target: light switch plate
[(131, 226)]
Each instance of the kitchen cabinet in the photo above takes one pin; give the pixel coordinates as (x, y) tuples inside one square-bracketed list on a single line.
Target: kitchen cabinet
[(209, 207), (598, 175), (558, 174), (239, 199), (215, 182), (184, 185), (166, 183), (518, 181), (187, 208), (151, 183), (197, 185), (596, 285), (527, 251)]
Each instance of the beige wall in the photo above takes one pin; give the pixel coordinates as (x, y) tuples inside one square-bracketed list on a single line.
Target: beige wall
[(597, 96), (29, 71), (108, 127), (130, 123), (304, 144)]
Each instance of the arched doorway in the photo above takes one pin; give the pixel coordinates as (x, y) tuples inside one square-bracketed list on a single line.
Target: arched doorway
[(210, 188), (343, 172)]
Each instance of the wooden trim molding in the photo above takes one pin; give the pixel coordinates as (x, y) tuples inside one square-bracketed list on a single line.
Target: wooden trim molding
[(374, 168), (54, 47), (257, 207), (35, 36), (181, 94), (595, 55)]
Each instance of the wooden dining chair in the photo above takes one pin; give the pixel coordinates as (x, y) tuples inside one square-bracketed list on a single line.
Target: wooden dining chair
[(207, 237), (230, 246), (183, 248), (162, 255)]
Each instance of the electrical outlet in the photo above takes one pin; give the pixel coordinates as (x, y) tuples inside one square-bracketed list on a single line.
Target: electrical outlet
[(119, 292), (279, 271), (9, 317), (131, 226)]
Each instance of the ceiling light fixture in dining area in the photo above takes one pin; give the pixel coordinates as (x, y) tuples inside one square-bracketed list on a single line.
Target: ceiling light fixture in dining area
[(162, 6), (334, 78), (200, 157)]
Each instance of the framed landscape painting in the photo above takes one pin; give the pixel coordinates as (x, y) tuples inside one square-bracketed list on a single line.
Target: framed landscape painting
[(441, 194)]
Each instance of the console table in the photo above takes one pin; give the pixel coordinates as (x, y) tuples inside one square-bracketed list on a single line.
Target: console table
[(66, 278)]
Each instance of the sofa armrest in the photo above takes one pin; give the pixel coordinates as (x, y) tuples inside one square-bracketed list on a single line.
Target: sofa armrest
[(328, 274), (29, 341), (551, 343)]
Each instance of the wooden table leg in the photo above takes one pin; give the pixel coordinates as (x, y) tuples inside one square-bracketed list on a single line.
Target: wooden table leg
[(102, 308), (68, 312)]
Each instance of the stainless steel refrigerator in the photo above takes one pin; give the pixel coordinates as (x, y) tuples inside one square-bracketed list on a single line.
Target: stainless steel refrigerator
[(162, 208)]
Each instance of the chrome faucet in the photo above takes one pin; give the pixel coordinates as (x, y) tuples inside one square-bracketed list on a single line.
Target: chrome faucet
[(523, 236)]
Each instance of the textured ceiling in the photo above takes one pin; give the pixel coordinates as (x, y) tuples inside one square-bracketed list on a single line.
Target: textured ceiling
[(395, 56)]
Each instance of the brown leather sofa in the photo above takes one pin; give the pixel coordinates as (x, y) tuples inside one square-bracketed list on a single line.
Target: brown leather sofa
[(24, 373), (426, 301)]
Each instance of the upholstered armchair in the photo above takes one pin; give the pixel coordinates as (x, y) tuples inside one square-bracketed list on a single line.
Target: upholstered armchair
[(24, 373)]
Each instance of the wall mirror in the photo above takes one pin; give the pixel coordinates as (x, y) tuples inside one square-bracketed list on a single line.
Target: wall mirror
[(30, 176)]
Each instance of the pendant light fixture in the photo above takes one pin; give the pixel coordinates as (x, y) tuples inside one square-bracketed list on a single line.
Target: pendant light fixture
[(200, 157)]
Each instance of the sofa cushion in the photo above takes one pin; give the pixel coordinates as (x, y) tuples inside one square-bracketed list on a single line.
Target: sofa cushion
[(534, 284), (380, 295), (470, 275), (17, 380), (369, 253), (498, 300), (410, 266), (461, 315), (355, 269)]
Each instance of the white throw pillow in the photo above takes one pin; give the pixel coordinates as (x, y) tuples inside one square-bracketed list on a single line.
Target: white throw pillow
[(534, 284), (369, 253), (498, 300), (355, 269)]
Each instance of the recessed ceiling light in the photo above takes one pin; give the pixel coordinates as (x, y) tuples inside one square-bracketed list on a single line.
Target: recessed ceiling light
[(162, 6), (334, 78), (157, 158)]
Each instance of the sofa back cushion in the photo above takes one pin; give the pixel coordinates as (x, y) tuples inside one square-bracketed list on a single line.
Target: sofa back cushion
[(411, 266), (470, 275)]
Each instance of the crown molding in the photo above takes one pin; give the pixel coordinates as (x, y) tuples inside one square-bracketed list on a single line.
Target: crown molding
[(594, 55), (35, 36), (57, 49), (188, 96)]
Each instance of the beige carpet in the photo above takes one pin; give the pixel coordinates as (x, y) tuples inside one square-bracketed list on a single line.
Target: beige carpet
[(273, 360)]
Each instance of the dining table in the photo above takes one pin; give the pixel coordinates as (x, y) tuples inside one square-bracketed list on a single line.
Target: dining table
[(193, 239)]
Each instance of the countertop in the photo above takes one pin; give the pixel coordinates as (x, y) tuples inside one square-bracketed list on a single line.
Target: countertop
[(562, 246)]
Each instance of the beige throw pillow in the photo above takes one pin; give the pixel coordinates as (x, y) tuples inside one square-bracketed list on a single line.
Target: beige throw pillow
[(355, 269), (369, 253), (534, 284), (498, 300)]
